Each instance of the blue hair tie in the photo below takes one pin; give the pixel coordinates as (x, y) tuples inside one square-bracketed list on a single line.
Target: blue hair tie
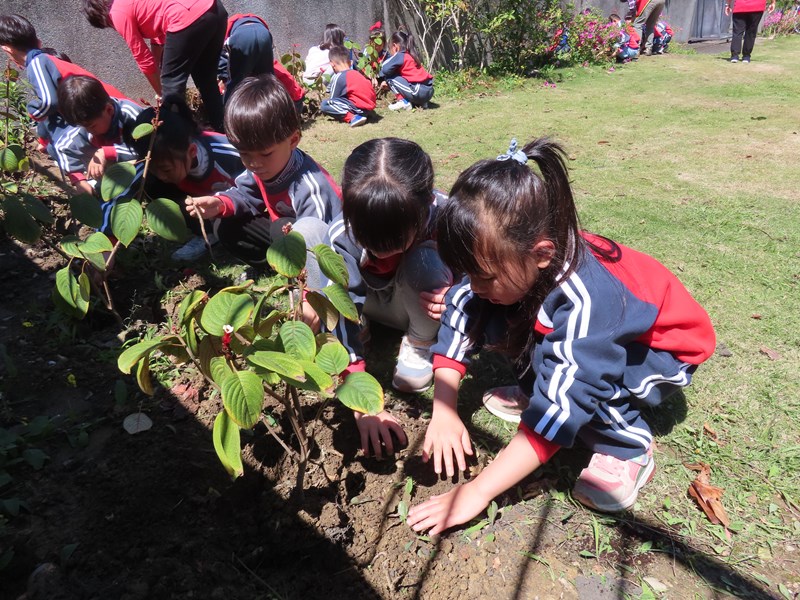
[(514, 154)]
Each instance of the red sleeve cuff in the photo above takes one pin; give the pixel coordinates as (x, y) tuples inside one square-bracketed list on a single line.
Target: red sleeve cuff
[(440, 361), (43, 142), (543, 447), (355, 367), (227, 206), (74, 178), (110, 153)]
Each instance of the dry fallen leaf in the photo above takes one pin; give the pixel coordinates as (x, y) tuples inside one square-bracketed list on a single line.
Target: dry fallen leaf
[(136, 423), (710, 431), (755, 316), (770, 353), (707, 496)]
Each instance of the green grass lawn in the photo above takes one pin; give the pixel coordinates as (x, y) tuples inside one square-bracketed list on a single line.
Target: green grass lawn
[(694, 161)]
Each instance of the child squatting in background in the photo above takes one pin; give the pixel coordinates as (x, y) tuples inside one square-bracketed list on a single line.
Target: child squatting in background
[(386, 236), (282, 184), (595, 331), (626, 46), (247, 52), (404, 74), (351, 94), (184, 160)]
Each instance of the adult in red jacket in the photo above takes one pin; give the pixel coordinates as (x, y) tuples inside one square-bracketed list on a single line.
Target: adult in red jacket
[(746, 17)]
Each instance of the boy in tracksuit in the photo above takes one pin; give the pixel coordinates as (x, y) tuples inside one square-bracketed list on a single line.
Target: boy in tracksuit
[(626, 47), (44, 71), (352, 94), (282, 184), (95, 136), (662, 37)]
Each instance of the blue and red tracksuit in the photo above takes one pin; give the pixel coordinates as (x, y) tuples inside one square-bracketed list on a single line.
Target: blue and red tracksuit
[(613, 336), (351, 94), (216, 167), (250, 206), (407, 79)]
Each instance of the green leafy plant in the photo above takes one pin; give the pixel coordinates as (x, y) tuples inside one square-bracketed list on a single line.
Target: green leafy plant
[(23, 213), (250, 351), (91, 260)]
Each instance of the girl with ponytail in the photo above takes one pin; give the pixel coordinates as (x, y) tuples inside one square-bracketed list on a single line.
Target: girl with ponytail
[(594, 330)]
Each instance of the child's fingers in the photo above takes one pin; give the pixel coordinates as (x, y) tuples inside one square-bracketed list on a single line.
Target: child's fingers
[(466, 444), (386, 436), (398, 431), (437, 458), (376, 442), (448, 461)]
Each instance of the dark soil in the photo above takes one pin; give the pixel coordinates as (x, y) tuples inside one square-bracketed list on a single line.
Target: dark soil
[(154, 515)]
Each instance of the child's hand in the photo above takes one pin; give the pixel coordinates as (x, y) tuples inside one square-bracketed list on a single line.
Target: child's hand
[(446, 436), (207, 207), (375, 429), (457, 506), (433, 302), (84, 187), (97, 165)]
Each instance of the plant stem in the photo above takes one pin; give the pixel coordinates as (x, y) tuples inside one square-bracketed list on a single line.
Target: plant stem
[(205, 236)]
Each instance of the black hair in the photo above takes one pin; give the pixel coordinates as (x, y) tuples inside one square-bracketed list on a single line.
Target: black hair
[(387, 191), (16, 31), (173, 136), (81, 99), (332, 36), (339, 54), (502, 208), (97, 12), (407, 44), (260, 113), (56, 53), (614, 17)]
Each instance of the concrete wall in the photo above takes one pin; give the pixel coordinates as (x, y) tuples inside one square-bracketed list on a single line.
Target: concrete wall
[(62, 25), (680, 13)]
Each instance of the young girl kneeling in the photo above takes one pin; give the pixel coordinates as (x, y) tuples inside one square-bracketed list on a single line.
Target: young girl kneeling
[(385, 235), (596, 331)]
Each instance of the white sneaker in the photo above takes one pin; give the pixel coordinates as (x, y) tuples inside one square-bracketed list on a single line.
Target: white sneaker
[(414, 369), (401, 105), (193, 250)]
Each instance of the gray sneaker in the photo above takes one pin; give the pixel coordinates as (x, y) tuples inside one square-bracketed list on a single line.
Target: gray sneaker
[(193, 250), (414, 369)]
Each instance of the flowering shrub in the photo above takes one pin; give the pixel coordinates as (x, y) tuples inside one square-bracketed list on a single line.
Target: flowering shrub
[(782, 22)]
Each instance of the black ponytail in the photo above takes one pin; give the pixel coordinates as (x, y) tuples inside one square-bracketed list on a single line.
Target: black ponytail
[(407, 44)]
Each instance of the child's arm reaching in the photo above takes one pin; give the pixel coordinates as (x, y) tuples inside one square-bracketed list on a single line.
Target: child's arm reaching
[(446, 435), (207, 207), (377, 429), (464, 502)]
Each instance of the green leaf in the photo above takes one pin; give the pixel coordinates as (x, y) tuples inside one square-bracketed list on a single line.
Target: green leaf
[(210, 346), (298, 340), (361, 392), (142, 130), (35, 458), (226, 309), (332, 358), (192, 341), (165, 218), (135, 353), (243, 395), (98, 261), (340, 298), (84, 287), (315, 379), (71, 245), (277, 362), (190, 302), (331, 264), (18, 221), (96, 243), (117, 179), (219, 369), (228, 445), (68, 289), (264, 328), (37, 209), (287, 256), (10, 157), (126, 219), (326, 311), (86, 209), (143, 376)]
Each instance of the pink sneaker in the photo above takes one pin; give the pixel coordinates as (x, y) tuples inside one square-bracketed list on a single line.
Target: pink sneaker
[(506, 402), (609, 484)]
